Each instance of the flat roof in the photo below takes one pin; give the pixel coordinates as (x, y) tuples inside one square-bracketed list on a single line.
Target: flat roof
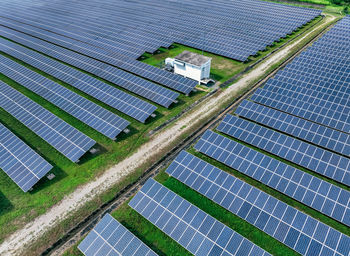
[(192, 58)]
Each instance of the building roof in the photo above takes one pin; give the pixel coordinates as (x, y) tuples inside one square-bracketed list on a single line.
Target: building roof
[(192, 58)]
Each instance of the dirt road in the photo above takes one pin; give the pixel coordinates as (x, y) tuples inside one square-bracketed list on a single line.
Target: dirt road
[(16, 243)]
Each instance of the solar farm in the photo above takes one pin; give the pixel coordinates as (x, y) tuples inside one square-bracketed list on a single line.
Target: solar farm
[(104, 150)]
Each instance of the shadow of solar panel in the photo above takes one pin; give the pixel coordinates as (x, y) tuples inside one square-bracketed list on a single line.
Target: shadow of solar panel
[(126, 103), (64, 138), (323, 196), (109, 237), (192, 228), (86, 111), (304, 154), (285, 223), (130, 82), (21, 163), (300, 128)]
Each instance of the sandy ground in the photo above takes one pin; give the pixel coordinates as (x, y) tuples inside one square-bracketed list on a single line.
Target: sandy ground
[(16, 243)]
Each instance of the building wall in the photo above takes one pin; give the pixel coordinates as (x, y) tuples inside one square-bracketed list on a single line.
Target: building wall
[(191, 71), (206, 70)]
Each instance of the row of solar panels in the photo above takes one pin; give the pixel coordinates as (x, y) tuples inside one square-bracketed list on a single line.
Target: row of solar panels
[(191, 227), (100, 119), (321, 96), (201, 234), (319, 148), (113, 58), (108, 39), (64, 138)]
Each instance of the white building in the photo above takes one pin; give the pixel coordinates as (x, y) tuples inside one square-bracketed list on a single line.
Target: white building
[(191, 65)]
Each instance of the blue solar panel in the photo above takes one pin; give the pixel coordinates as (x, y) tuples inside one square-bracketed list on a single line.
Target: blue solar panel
[(288, 225), (64, 138), (86, 111), (126, 103), (255, 25), (192, 228), (109, 237), (21, 163), (304, 154), (323, 196), (132, 83), (302, 109), (338, 105), (300, 128), (315, 86), (170, 80)]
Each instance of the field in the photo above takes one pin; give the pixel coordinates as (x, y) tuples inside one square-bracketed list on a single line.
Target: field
[(223, 68), (163, 245), (18, 208)]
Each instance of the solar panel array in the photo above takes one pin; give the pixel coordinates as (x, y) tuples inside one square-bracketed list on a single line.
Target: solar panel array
[(288, 225), (192, 228), (86, 111), (21, 163), (64, 138), (132, 83), (111, 238), (317, 134), (322, 149), (126, 103), (155, 74), (316, 193), (243, 29), (315, 85), (296, 151)]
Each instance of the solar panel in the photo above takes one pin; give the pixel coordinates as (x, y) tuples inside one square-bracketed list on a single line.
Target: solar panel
[(304, 154), (167, 22), (64, 138), (317, 134), (132, 83), (314, 96), (192, 228), (109, 237), (21, 163), (168, 79), (302, 109), (86, 111), (315, 86), (126, 103), (288, 225), (316, 193)]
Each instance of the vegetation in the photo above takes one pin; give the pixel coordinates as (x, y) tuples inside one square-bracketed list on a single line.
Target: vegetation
[(330, 6), (222, 68), (18, 208), (164, 245), (153, 237)]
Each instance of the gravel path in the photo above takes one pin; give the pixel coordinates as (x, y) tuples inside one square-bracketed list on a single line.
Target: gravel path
[(16, 243)]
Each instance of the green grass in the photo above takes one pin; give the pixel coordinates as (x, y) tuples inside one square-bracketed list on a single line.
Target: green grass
[(328, 6), (316, 2), (137, 224), (164, 245), (18, 208), (222, 68)]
